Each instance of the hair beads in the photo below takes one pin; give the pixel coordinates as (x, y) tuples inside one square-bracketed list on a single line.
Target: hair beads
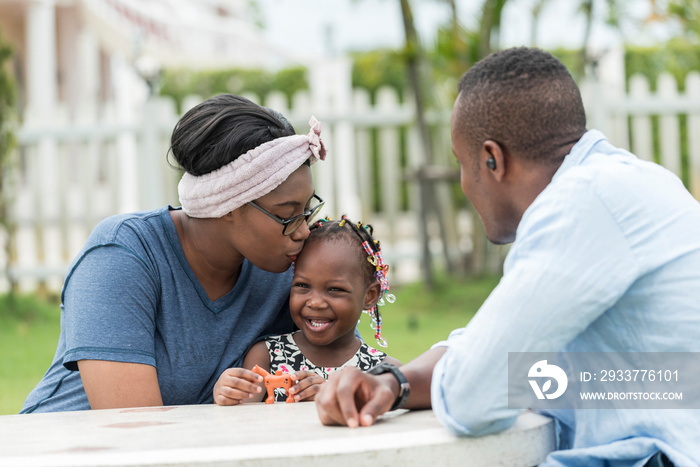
[(374, 256), (376, 259)]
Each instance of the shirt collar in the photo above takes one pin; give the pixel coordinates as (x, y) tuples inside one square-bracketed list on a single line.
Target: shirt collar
[(580, 151)]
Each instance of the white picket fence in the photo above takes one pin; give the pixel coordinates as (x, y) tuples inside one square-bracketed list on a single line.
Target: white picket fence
[(71, 176), (628, 121)]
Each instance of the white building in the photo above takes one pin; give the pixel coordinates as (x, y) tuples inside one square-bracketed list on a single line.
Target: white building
[(91, 143), (81, 53)]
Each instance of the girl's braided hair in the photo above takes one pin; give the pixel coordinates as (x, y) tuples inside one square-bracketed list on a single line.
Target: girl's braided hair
[(370, 255)]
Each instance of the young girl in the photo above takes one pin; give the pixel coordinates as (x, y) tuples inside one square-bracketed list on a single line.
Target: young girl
[(339, 273)]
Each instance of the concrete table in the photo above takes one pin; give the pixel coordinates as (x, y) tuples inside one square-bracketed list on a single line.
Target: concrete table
[(259, 435)]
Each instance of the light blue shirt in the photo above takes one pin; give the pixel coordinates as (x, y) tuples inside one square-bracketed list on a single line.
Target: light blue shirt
[(606, 259)]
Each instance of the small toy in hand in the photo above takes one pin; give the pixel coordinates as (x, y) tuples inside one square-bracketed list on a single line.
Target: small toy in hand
[(278, 380)]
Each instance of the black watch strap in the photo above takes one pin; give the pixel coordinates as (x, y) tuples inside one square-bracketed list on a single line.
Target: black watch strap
[(404, 386)]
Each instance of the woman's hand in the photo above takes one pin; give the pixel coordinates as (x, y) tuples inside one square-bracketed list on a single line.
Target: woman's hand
[(307, 386), (237, 385)]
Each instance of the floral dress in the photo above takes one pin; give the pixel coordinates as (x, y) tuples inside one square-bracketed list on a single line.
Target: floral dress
[(285, 356)]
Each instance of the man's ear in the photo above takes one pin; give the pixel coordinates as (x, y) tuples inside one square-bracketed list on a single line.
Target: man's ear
[(372, 295), (492, 159)]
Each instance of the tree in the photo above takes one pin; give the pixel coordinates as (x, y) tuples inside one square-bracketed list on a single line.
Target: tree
[(536, 11), (490, 25), (7, 144), (686, 13), (414, 57)]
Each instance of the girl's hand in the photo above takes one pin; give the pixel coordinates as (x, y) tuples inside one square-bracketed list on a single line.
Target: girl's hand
[(237, 385), (308, 384)]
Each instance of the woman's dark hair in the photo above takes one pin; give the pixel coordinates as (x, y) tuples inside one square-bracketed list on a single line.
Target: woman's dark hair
[(220, 129)]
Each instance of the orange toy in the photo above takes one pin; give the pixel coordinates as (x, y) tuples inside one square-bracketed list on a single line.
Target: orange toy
[(278, 380)]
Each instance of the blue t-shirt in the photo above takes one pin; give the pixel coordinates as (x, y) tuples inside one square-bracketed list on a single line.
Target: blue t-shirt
[(131, 296)]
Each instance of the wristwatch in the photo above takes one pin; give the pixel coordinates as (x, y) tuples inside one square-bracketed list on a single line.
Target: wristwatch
[(404, 386)]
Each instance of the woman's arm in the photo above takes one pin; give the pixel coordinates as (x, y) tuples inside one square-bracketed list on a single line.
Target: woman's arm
[(110, 300), (110, 385)]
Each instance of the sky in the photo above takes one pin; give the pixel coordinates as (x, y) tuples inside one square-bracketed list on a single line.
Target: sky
[(330, 27)]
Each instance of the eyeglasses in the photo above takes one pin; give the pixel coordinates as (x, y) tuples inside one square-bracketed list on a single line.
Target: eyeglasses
[(293, 223)]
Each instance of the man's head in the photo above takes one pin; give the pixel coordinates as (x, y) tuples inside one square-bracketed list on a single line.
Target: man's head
[(522, 98), (517, 115)]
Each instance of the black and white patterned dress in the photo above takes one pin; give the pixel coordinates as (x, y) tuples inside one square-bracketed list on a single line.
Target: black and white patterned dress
[(286, 357)]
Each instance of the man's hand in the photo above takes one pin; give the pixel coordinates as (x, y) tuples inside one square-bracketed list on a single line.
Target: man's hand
[(353, 398)]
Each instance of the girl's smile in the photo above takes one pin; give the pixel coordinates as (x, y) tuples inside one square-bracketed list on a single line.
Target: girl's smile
[(329, 291), (318, 325)]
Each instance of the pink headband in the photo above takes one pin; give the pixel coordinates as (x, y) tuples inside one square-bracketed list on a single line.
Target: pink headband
[(250, 176)]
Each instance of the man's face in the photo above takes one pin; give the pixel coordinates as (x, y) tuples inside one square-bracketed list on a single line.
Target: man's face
[(487, 195)]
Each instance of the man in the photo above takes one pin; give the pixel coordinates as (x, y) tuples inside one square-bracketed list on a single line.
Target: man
[(606, 258)]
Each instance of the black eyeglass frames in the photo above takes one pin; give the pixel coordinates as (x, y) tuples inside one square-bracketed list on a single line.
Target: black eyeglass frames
[(291, 224)]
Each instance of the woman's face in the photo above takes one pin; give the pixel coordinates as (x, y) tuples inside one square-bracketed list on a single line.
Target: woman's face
[(259, 238)]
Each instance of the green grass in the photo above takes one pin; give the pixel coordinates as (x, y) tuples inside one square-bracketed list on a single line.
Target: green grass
[(420, 318), (29, 329)]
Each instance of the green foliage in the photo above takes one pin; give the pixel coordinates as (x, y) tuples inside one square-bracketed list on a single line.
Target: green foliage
[(7, 101), (8, 122), (180, 83), (419, 318), (687, 12), (454, 53), (7, 109), (290, 81), (677, 57), (29, 329), (377, 68), (570, 58)]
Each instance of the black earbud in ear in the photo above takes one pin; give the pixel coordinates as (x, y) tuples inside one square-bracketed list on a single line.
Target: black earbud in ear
[(491, 163)]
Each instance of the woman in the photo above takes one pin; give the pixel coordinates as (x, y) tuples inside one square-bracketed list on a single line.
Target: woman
[(159, 303)]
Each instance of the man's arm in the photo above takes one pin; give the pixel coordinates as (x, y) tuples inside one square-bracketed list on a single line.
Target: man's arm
[(570, 264)]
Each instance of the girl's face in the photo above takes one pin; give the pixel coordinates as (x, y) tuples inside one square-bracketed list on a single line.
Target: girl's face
[(259, 238), (329, 292)]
